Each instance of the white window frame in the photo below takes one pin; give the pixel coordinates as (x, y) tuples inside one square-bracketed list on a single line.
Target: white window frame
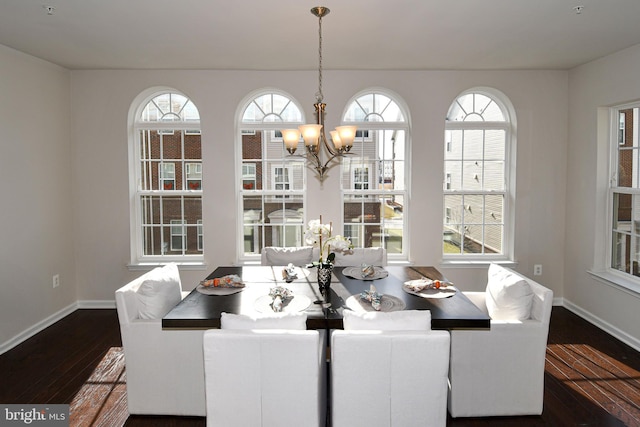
[(137, 193), (270, 124), (609, 123), (508, 192), (367, 126)]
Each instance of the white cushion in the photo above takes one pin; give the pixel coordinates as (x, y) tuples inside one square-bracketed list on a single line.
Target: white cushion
[(160, 290), (406, 320), (508, 295), (273, 255), (297, 321)]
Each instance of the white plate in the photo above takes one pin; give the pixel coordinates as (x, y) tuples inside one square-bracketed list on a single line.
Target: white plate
[(356, 273), (294, 305), (210, 290), (444, 291)]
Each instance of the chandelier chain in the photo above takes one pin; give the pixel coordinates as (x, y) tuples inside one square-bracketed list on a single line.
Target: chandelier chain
[(319, 95)]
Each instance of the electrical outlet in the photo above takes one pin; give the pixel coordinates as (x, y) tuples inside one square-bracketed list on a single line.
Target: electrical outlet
[(56, 280), (537, 270)]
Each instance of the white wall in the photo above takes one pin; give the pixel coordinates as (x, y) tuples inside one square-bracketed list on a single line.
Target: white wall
[(609, 81), (36, 213), (64, 164), (101, 100)]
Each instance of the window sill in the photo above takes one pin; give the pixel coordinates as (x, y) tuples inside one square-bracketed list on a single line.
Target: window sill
[(468, 263), (145, 266), (617, 281)]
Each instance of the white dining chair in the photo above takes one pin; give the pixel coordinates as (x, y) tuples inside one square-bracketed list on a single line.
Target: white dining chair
[(274, 255), (264, 377), (358, 256), (165, 374), (390, 371), (500, 371)]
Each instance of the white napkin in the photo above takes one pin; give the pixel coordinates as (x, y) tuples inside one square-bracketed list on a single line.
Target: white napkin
[(289, 273), (367, 270), (424, 283), (230, 281), (373, 297), (280, 295)]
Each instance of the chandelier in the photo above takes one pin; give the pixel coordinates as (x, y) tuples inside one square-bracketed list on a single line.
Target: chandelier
[(315, 139)]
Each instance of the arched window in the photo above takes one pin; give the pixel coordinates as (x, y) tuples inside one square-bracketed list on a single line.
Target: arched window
[(166, 179), (271, 183), (375, 174), (478, 192)]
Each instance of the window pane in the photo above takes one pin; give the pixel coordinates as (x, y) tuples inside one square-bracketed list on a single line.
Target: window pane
[(493, 239), (252, 220), (621, 252), (626, 233), (494, 208), (493, 176)]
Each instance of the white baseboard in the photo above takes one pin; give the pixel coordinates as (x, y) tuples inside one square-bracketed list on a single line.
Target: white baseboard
[(94, 304), (43, 324), (605, 326)]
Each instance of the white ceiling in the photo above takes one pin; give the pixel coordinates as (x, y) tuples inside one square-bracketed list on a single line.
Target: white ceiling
[(283, 34)]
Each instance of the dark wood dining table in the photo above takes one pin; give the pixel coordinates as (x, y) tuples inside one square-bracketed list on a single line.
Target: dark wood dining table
[(200, 311)]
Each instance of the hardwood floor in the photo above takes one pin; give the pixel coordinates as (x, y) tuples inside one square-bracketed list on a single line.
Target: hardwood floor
[(591, 379)]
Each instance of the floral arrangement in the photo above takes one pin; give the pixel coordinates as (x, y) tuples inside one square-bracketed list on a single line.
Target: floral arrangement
[(320, 235)]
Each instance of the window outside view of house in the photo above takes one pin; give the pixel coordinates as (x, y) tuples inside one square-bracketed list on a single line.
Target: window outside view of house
[(475, 177), (374, 174), (168, 202), (272, 184), (625, 191)]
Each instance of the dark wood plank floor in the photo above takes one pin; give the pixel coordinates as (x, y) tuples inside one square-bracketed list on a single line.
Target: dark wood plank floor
[(591, 378)]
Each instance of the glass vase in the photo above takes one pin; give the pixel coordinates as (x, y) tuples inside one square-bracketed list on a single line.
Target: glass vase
[(324, 281)]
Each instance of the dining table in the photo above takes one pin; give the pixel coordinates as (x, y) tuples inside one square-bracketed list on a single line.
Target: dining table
[(202, 308)]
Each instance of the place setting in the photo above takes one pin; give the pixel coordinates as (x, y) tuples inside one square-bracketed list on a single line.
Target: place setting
[(365, 272), (427, 288), (225, 285), (372, 300), (281, 300)]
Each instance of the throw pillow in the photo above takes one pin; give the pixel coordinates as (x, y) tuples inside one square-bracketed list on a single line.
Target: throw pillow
[(406, 320), (508, 295), (159, 291), (296, 321)]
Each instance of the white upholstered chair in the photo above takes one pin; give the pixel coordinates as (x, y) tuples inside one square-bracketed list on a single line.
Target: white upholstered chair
[(500, 372), (164, 369), (273, 255), (389, 377), (358, 256), (264, 377)]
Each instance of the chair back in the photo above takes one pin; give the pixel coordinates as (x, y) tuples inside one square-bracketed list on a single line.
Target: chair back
[(389, 378), (264, 377), (274, 255), (358, 256)]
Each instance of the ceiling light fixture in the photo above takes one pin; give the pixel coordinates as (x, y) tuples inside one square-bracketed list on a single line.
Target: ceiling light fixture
[(315, 139)]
